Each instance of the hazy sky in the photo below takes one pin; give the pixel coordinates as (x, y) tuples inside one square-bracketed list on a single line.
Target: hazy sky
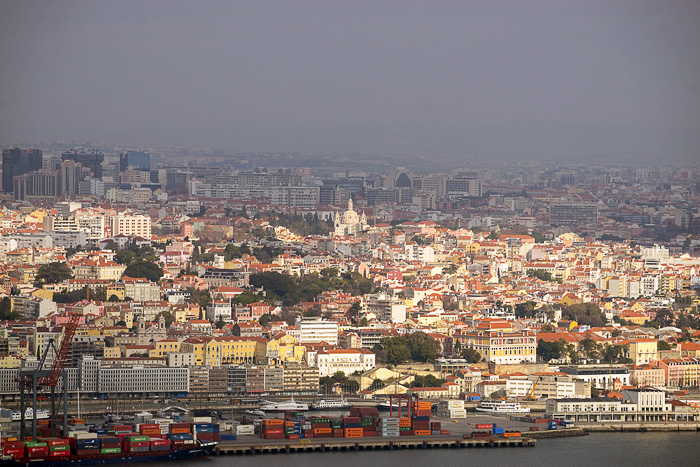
[(284, 75)]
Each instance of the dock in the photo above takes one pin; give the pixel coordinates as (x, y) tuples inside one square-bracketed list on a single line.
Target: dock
[(347, 445)]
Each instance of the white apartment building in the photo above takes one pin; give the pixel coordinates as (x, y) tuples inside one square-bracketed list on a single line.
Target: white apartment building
[(346, 360), (317, 330), (131, 225), (139, 379), (219, 309)]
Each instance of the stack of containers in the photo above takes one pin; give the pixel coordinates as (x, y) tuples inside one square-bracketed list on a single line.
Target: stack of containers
[(337, 427), (150, 429), (405, 427), (352, 427), (435, 428), (13, 448), (85, 443), (158, 444), (292, 424), (207, 431), (389, 426), (180, 428), (369, 426), (321, 428), (36, 449), (421, 425), (58, 447), (423, 409), (137, 443), (452, 409), (110, 444), (273, 429)]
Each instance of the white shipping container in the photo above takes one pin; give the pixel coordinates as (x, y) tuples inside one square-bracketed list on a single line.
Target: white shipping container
[(201, 419)]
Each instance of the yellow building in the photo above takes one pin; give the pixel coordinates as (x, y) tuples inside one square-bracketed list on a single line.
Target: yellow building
[(643, 351), (112, 352), (164, 347), (10, 361)]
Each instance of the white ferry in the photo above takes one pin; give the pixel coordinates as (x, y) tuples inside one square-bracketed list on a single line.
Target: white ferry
[(268, 406), (502, 407), (330, 404)]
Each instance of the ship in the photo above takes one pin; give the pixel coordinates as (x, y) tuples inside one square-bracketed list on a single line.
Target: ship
[(502, 407), (200, 450), (268, 406), (330, 404)]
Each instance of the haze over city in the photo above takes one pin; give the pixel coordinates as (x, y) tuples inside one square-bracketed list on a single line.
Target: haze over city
[(507, 80)]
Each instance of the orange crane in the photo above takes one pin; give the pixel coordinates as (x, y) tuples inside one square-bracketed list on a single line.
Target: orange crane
[(531, 394), (33, 379)]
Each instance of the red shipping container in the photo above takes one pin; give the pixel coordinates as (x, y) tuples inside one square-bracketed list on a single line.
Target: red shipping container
[(484, 426), (13, 444), (292, 436), (406, 433), (370, 433), (149, 426), (337, 432), (444, 432), (435, 426), (274, 436), (139, 444), (270, 431), (34, 449), (59, 453), (55, 441), (308, 433), (16, 452)]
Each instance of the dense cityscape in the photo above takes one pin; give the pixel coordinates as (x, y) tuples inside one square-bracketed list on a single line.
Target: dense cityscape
[(399, 230), (548, 283)]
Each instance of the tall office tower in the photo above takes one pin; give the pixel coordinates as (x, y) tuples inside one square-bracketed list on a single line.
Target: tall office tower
[(138, 159), (90, 158), (71, 174), (18, 161)]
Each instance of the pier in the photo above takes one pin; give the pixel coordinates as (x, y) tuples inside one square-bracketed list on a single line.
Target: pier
[(346, 445)]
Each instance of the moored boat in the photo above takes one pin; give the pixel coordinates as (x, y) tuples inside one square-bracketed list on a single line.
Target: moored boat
[(502, 407)]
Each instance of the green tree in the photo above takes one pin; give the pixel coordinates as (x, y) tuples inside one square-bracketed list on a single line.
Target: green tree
[(6, 312), (144, 269), (551, 350), (664, 318), (52, 273), (471, 355), (427, 381), (525, 309), (585, 313), (664, 345)]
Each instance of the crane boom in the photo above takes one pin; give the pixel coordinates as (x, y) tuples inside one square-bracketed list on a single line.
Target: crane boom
[(60, 360)]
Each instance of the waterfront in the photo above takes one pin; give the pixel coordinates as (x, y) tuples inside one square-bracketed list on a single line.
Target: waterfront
[(618, 449)]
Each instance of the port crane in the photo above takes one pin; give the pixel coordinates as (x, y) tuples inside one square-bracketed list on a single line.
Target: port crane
[(32, 379)]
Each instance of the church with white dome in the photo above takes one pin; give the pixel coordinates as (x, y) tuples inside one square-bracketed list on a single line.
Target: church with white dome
[(349, 222)]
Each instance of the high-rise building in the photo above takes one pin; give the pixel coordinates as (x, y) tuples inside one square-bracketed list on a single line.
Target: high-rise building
[(90, 158), (573, 214), (71, 174), (137, 159), (18, 161)]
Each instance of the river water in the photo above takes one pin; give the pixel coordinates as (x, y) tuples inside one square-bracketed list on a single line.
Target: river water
[(597, 449)]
